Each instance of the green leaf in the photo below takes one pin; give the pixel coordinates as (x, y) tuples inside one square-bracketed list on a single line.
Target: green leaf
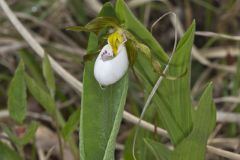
[(101, 110), (33, 66), (175, 95), (78, 10), (96, 25), (49, 75), (100, 116), (141, 151), (17, 97), (158, 150), (8, 154), (172, 99), (132, 24), (236, 81), (40, 95), (71, 124), (194, 145), (204, 119)]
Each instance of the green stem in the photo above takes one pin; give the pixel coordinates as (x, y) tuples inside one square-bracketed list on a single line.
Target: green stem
[(55, 117), (60, 123)]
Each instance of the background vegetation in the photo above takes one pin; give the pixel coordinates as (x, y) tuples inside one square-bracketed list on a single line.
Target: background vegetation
[(48, 128)]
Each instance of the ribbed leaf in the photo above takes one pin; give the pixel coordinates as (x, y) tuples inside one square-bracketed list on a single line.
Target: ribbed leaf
[(194, 145), (173, 98), (17, 97), (158, 150), (101, 109), (175, 95), (204, 119)]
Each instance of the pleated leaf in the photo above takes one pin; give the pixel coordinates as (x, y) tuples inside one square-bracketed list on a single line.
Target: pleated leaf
[(158, 150), (204, 119), (194, 145), (173, 97)]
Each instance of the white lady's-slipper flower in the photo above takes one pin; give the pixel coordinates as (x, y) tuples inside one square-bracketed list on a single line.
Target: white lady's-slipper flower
[(112, 62)]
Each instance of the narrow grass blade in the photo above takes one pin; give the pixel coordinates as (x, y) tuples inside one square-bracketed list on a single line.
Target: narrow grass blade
[(49, 75), (71, 124)]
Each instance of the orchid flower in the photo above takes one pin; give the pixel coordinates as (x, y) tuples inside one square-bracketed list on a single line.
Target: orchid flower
[(112, 62), (119, 53)]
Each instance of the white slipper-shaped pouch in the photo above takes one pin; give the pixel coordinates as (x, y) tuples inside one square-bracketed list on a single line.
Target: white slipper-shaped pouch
[(108, 69)]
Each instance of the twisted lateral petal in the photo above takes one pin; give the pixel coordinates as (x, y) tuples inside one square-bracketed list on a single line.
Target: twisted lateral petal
[(109, 69)]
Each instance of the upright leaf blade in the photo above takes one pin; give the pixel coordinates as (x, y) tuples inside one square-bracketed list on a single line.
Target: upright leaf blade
[(71, 124), (33, 66), (17, 97), (40, 95), (102, 109), (192, 146), (204, 119), (173, 97), (133, 25), (48, 75)]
